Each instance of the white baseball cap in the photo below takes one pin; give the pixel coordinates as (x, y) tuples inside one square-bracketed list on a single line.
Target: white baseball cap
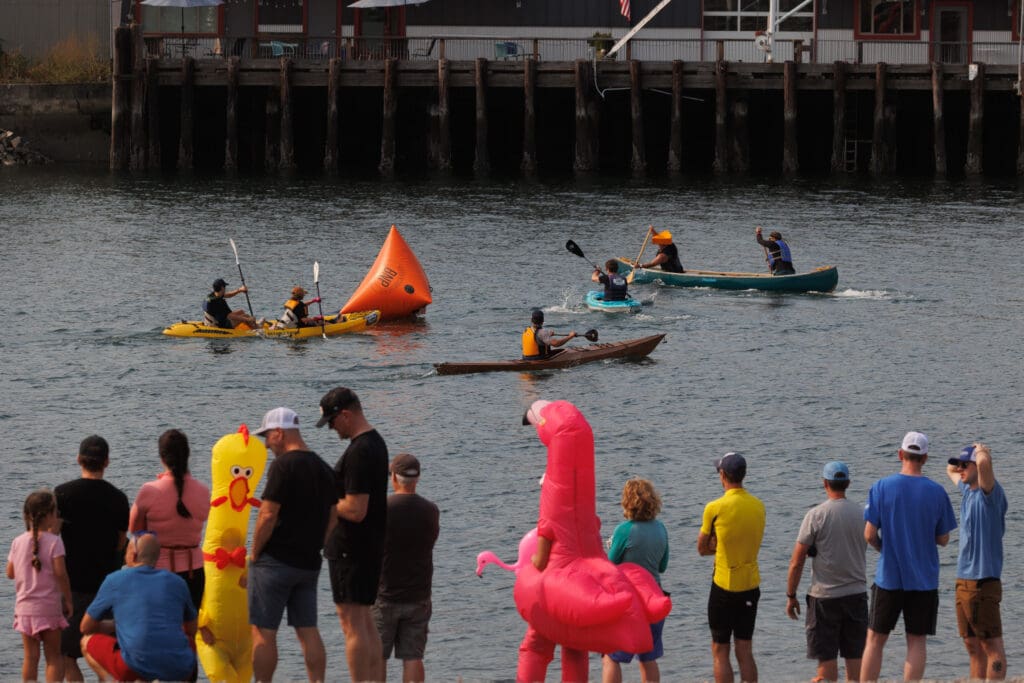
[(278, 418), (915, 442)]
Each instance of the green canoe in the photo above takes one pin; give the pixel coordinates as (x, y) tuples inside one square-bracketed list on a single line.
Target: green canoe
[(822, 279)]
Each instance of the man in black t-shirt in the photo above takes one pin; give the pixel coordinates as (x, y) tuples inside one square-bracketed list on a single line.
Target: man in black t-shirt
[(296, 516), (355, 549), (95, 514), (403, 608)]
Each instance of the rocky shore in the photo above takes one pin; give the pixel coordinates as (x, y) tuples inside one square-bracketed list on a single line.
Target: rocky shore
[(14, 151)]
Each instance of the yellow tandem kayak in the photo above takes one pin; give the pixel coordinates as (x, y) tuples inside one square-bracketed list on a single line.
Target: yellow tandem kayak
[(333, 326)]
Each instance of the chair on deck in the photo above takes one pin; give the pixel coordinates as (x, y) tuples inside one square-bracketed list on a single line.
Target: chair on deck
[(425, 53), (280, 49)]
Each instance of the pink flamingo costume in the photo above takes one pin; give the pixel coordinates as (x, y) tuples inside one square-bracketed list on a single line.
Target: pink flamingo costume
[(581, 600)]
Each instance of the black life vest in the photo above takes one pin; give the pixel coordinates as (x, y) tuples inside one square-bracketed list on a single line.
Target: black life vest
[(218, 310), (615, 287)]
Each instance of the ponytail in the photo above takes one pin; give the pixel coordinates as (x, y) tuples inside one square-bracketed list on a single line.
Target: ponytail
[(38, 505), (174, 452)]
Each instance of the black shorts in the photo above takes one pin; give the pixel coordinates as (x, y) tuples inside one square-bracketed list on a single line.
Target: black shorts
[(732, 614), (919, 609), (354, 581), (837, 626), (71, 637)]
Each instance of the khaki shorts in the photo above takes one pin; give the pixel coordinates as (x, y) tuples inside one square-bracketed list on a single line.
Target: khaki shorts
[(977, 608)]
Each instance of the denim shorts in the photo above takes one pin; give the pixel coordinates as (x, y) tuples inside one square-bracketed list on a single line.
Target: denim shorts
[(656, 652), (274, 585)]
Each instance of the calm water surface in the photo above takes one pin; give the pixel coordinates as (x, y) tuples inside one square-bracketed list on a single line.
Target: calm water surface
[(922, 333)]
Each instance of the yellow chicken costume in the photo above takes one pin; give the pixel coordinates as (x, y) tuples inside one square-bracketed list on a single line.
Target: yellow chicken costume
[(224, 641)]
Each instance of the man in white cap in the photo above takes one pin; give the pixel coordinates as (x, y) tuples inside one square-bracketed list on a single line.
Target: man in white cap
[(832, 535), (296, 516), (906, 517), (979, 589)]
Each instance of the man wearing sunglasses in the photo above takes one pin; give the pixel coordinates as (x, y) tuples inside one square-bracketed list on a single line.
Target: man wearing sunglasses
[(980, 565)]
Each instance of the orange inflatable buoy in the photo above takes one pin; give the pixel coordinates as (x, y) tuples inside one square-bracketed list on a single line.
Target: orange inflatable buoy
[(396, 284)]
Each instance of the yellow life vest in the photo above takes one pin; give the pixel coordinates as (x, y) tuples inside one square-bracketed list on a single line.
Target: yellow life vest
[(531, 348)]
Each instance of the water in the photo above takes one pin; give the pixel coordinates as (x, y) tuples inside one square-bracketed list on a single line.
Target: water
[(922, 333)]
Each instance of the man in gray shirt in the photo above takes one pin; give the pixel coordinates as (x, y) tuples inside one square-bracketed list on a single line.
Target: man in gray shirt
[(832, 535)]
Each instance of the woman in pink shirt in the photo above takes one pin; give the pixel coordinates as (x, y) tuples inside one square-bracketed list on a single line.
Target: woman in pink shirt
[(174, 506)]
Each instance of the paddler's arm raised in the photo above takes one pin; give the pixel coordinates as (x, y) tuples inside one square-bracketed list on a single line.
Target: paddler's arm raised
[(265, 523), (353, 507), (555, 342), (235, 292)]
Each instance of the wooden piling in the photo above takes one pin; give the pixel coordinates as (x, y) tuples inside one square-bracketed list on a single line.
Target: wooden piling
[(721, 162), (443, 160), (389, 110), (976, 124), (272, 130), (938, 120), (331, 145), (287, 162), (1020, 133), (879, 156), (137, 155), (839, 140), (120, 86), (582, 158), (482, 159), (740, 160), (790, 145), (188, 100), (529, 163), (638, 163), (231, 117), (153, 154), (675, 142)]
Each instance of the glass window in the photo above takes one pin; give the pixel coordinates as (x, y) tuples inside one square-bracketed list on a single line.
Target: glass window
[(888, 17), (280, 16), (748, 16), (179, 19)]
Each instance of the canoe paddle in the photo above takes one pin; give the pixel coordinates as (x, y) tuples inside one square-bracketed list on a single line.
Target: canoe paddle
[(316, 281), (643, 248), (575, 249), (239, 264)]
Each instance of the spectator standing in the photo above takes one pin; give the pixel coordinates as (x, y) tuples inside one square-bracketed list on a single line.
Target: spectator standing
[(731, 529), (979, 567), (832, 535), (94, 516), (356, 548), (403, 607), (296, 516), (907, 516)]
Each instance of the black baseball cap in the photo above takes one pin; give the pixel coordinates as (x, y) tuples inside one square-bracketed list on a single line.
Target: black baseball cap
[(219, 283), (335, 401)]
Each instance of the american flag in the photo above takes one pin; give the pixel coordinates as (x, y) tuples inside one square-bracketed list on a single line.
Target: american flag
[(624, 9)]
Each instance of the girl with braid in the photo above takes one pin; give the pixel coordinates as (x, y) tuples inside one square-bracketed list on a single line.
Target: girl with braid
[(36, 563), (174, 506)]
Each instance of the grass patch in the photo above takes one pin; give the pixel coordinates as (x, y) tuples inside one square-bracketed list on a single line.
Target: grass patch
[(73, 60)]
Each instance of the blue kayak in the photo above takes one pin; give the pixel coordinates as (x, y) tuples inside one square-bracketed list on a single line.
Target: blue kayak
[(595, 302)]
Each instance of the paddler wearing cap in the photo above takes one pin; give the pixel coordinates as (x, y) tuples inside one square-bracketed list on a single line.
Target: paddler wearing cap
[(538, 342), (216, 311), (296, 311), (668, 253), (780, 260)]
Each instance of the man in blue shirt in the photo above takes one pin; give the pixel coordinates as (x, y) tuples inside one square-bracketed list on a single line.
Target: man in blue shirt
[(978, 570), (154, 623), (906, 517)]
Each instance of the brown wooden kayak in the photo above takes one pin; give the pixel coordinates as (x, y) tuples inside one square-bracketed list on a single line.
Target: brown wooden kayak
[(631, 348)]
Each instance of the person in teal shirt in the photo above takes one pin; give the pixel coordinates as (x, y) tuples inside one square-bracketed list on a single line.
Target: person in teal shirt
[(642, 540)]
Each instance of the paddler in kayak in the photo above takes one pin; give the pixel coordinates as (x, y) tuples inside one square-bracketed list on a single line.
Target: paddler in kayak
[(216, 311), (538, 342), (668, 253), (780, 261), (296, 311), (615, 287)]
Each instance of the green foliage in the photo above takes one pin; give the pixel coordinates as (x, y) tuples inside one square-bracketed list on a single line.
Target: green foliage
[(70, 61)]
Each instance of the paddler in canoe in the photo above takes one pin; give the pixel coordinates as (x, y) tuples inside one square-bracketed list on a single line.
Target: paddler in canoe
[(615, 286), (538, 342), (668, 253), (217, 313), (780, 260), (296, 311)]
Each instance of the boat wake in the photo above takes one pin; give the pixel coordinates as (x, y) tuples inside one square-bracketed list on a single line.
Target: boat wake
[(850, 293)]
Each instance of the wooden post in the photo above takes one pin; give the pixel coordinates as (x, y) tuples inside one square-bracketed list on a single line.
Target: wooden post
[(721, 162), (839, 117), (153, 112), (387, 131), (790, 145), (976, 124), (529, 163), (740, 161), (188, 98), (444, 126), (1020, 134), (482, 161), (939, 123), (879, 157), (636, 111), (719, 50), (231, 117), (119, 98), (331, 145), (287, 130), (272, 130), (675, 140), (137, 158), (582, 161), (798, 51)]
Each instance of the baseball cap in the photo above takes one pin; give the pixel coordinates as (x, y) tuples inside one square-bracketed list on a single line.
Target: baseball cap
[(966, 455), (915, 442), (537, 316), (335, 401), (278, 418), (219, 283), (405, 465), (733, 464), (836, 471)]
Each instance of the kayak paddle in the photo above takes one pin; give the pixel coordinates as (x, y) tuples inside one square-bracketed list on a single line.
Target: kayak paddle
[(589, 335), (316, 281), (575, 249), (239, 264)]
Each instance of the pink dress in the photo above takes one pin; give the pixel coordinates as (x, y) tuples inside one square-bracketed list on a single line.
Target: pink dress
[(37, 607), (156, 509)]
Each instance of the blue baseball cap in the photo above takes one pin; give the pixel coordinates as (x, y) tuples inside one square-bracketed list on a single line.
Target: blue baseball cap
[(836, 471), (966, 455)]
